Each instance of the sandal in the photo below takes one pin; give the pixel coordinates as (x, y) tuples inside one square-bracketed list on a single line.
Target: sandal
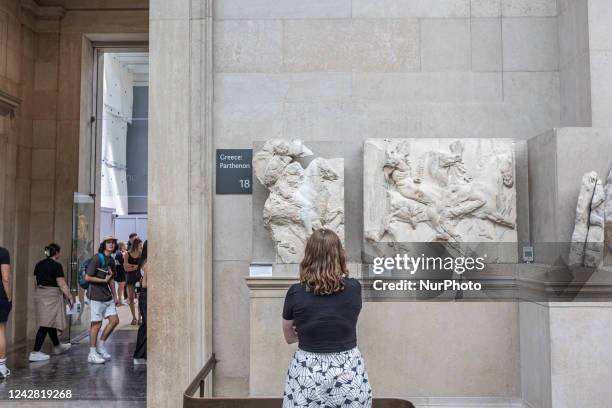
[(134, 322)]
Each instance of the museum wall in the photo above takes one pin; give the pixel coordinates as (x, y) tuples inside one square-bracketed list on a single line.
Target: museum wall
[(585, 62), (103, 20), (39, 147), (17, 52), (535, 354), (600, 61), (563, 357), (412, 350), (343, 71), (580, 360), (574, 67), (554, 182)]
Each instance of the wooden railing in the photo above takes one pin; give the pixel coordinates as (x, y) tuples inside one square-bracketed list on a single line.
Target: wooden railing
[(198, 381)]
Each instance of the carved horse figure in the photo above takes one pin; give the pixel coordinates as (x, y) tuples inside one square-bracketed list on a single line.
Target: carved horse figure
[(452, 196)]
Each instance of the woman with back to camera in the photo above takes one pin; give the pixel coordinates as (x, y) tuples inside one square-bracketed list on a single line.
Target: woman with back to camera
[(51, 289), (131, 259), (321, 313)]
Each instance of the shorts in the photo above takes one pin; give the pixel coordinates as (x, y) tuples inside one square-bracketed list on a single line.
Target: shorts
[(120, 275), (132, 277), (5, 309), (327, 380), (102, 310)]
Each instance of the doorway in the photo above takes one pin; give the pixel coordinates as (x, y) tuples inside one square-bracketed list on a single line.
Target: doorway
[(116, 203)]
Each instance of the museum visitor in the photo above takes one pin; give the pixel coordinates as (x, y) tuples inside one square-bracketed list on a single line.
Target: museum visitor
[(320, 314)]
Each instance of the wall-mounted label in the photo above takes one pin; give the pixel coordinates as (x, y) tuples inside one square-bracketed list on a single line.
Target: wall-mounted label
[(260, 269), (234, 171)]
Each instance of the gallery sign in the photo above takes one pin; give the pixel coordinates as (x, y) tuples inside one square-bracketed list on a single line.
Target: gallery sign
[(234, 171)]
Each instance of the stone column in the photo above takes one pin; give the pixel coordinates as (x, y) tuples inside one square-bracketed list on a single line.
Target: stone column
[(585, 62), (180, 207), (600, 61)]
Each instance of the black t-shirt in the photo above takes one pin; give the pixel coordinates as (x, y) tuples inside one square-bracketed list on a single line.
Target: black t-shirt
[(5, 259), (326, 323), (47, 271), (133, 261), (118, 257), (100, 292)]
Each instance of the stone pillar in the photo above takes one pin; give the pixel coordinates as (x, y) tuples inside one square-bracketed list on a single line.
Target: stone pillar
[(600, 49), (17, 48), (585, 62), (180, 207)]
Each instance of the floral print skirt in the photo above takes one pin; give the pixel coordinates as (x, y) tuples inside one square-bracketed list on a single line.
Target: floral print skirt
[(327, 380)]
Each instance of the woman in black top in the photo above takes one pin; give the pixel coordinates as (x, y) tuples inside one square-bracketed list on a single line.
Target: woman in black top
[(119, 270), (140, 353), (132, 275), (321, 314), (50, 314)]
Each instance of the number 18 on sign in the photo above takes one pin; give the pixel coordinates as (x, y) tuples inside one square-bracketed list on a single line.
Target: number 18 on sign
[(234, 171)]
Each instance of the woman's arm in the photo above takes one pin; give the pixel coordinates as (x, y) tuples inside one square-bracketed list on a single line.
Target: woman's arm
[(95, 279), (61, 282), (127, 265), (144, 276), (5, 271), (289, 332)]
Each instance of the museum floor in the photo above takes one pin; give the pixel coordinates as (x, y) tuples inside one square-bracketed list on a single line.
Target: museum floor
[(117, 383)]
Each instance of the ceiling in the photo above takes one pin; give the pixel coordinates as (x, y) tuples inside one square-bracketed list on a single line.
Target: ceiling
[(135, 62)]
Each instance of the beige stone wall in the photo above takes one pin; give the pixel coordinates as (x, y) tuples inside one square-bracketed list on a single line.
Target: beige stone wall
[(40, 63), (44, 150), (411, 349), (574, 74), (349, 70), (585, 51), (565, 358), (556, 173), (180, 198), (600, 61), (17, 49), (580, 354)]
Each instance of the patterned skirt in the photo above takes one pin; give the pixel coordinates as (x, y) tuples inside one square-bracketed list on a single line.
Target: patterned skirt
[(327, 380)]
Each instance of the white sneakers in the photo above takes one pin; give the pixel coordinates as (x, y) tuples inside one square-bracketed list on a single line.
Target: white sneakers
[(4, 372), (103, 353), (38, 356), (140, 361), (95, 358), (62, 348), (98, 354)]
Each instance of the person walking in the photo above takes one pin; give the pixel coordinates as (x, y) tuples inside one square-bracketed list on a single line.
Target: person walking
[(6, 304), (120, 276), (132, 276), (51, 290), (103, 299), (140, 354), (320, 313)]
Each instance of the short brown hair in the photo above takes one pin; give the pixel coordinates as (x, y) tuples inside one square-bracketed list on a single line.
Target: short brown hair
[(323, 268)]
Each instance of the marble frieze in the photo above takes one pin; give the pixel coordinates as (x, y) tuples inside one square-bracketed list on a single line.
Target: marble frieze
[(444, 190), (302, 198)]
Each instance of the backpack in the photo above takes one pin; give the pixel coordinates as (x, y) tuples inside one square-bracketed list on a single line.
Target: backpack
[(83, 270)]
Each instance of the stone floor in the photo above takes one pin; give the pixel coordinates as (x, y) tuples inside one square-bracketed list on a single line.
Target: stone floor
[(117, 383)]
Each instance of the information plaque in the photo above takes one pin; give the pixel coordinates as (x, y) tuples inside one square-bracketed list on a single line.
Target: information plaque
[(234, 171)]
